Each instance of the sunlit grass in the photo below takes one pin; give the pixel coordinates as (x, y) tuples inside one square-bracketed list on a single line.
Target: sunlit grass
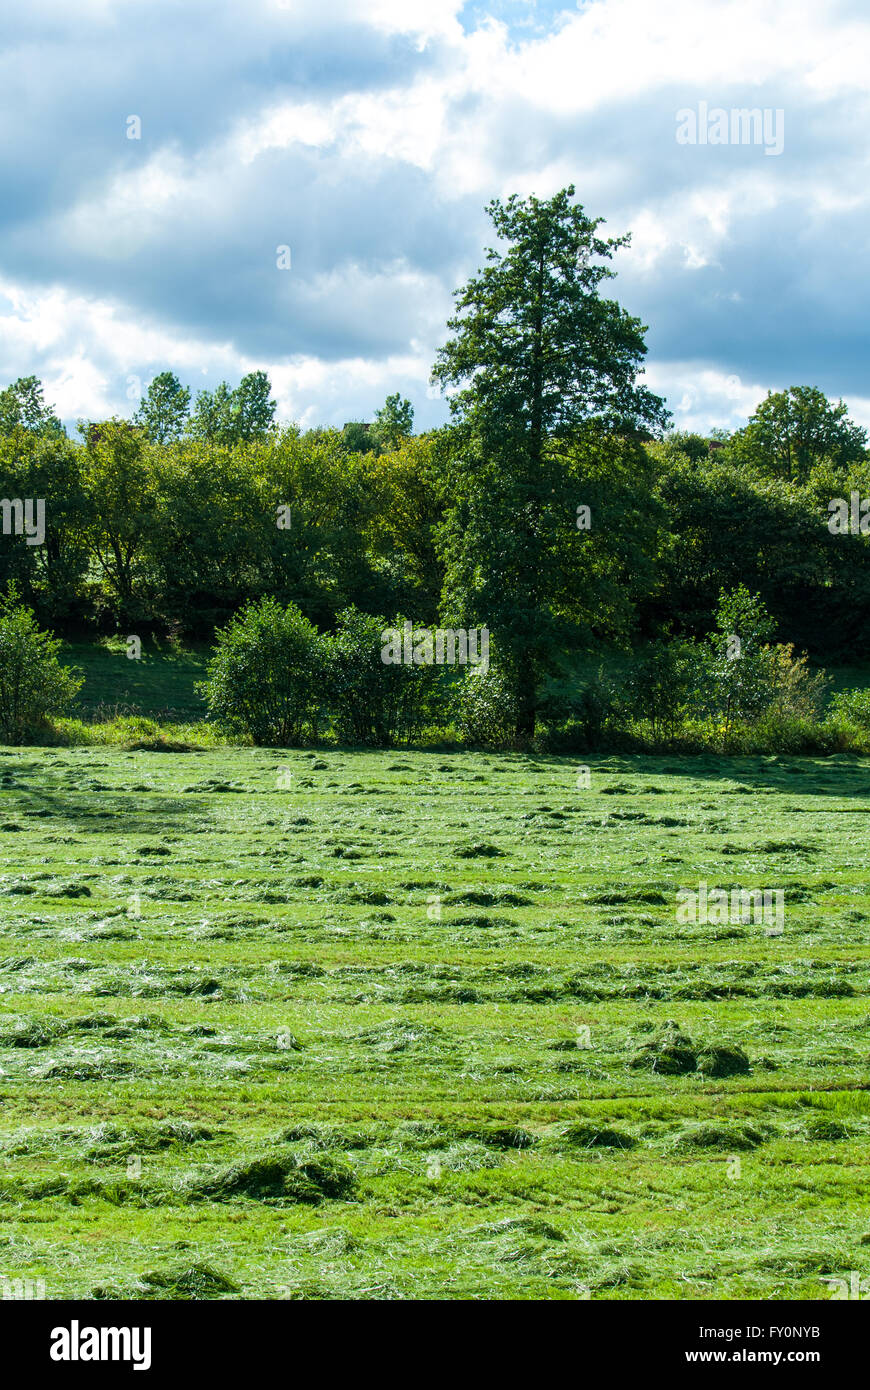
[(343, 1025)]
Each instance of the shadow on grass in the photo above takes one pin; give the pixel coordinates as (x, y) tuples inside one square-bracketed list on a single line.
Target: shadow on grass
[(839, 775), (129, 809)]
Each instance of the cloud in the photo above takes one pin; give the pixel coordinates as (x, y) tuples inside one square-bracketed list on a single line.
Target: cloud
[(369, 139)]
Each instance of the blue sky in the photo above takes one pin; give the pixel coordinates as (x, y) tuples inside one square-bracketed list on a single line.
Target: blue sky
[(369, 137)]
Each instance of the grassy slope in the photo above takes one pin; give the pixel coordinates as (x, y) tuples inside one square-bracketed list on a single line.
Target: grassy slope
[(271, 910), (161, 682)]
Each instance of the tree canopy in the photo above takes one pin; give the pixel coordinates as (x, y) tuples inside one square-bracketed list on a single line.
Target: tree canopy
[(553, 509), (542, 371)]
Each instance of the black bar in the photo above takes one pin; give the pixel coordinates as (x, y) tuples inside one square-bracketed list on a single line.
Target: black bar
[(631, 1337)]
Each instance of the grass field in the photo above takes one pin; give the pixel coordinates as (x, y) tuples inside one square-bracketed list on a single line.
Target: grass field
[(331, 1025)]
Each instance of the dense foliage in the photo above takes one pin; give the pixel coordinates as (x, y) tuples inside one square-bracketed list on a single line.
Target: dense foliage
[(34, 685), (267, 675), (553, 510)]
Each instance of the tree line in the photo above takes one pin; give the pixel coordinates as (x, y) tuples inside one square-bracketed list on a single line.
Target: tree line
[(557, 508)]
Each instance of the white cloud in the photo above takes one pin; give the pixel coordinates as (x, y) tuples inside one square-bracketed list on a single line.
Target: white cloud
[(106, 277), (88, 374), (700, 394)]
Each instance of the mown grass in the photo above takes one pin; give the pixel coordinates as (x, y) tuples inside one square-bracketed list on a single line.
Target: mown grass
[(372, 1025)]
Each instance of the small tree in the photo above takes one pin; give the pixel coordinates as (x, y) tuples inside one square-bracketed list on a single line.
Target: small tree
[(484, 708), (164, 409), (266, 677), (22, 407), (121, 501), (33, 684), (797, 692), (394, 422), (242, 416), (357, 437), (794, 430), (741, 677), (851, 707)]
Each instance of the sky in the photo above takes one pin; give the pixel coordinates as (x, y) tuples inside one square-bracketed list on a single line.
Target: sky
[(155, 158)]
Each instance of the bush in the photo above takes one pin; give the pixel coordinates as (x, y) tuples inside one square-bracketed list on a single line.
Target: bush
[(738, 670), (266, 677), (594, 707), (33, 684), (374, 701), (769, 688), (787, 735), (851, 707), (484, 709), (583, 719), (796, 691)]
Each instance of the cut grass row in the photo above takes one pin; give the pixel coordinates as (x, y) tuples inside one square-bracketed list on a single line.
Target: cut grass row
[(341, 1025)]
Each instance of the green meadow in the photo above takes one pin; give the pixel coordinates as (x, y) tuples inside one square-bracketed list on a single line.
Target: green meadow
[(329, 1024)]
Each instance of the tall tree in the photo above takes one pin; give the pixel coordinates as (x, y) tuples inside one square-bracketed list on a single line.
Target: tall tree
[(211, 420), (253, 408), (394, 422), (541, 363), (403, 523), (121, 492), (46, 465), (164, 408)]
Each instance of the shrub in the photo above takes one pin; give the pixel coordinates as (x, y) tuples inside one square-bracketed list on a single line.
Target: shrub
[(374, 701), (33, 683), (787, 735), (769, 688), (851, 707), (485, 709), (738, 682), (796, 691), (594, 707), (266, 677), (593, 715)]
